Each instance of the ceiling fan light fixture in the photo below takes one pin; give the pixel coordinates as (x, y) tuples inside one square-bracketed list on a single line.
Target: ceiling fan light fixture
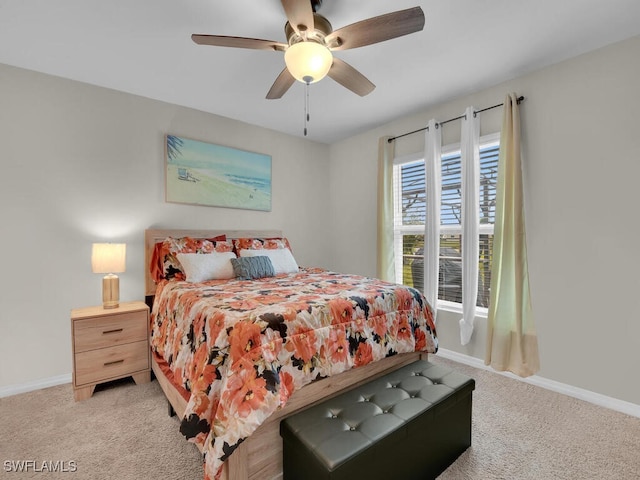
[(308, 61)]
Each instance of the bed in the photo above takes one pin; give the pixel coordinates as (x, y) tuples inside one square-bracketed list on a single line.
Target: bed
[(234, 356)]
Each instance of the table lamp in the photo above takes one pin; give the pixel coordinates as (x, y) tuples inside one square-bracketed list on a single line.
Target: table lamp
[(109, 258)]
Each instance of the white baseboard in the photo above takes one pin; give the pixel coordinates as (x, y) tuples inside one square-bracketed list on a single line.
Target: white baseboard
[(34, 385), (580, 393)]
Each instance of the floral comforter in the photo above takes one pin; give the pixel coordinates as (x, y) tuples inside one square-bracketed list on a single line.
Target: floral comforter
[(241, 348)]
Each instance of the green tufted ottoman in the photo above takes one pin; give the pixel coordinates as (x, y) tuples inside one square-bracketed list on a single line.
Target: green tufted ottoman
[(409, 424)]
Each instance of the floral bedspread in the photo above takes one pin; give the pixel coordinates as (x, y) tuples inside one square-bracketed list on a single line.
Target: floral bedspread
[(243, 347)]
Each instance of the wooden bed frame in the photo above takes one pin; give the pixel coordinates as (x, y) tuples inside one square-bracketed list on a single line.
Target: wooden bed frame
[(259, 457)]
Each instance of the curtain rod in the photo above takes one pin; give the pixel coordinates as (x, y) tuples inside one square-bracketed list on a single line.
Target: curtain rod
[(439, 124)]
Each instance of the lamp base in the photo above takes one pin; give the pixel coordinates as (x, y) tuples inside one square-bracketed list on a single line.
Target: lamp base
[(110, 291)]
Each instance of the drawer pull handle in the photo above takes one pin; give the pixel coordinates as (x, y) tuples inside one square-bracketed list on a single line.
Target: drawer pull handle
[(117, 330), (113, 363)]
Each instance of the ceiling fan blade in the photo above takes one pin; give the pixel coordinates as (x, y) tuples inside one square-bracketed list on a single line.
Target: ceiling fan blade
[(281, 85), (300, 14), (238, 42), (350, 78), (377, 29)]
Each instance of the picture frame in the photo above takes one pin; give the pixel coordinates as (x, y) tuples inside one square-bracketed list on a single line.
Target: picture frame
[(202, 173)]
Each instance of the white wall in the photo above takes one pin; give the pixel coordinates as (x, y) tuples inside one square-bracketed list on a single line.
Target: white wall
[(581, 173), (80, 164)]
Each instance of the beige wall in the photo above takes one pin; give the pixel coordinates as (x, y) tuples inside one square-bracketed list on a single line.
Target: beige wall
[(80, 164), (581, 173)]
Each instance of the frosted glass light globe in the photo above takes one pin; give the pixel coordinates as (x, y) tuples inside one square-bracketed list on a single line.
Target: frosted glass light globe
[(308, 62)]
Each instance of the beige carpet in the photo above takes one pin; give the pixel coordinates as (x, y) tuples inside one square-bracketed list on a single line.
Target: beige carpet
[(123, 432), (525, 432)]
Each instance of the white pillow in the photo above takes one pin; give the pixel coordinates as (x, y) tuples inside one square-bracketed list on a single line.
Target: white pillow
[(281, 258), (200, 267)]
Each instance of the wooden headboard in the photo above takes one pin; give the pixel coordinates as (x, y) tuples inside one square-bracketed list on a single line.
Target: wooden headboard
[(153, 236)]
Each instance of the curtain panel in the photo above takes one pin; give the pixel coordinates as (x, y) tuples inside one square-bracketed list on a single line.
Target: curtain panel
[(386, 257), (512, 342), (470, 163), (433, 186)]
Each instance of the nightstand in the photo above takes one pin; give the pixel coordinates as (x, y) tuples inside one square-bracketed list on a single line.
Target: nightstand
[(109, 344)]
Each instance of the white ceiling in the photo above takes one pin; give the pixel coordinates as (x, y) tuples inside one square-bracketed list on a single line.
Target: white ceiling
[(144, 47)]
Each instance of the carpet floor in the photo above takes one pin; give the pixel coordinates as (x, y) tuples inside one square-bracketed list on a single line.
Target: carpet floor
[(520, 432)]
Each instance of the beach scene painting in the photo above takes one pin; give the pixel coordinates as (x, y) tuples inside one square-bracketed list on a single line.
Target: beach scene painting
[(200, 173)]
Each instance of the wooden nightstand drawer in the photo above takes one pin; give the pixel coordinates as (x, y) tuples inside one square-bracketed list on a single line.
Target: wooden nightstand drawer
[(95, 366), (92, 333)]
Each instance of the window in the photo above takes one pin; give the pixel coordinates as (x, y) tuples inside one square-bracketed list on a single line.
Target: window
[(409, 220)]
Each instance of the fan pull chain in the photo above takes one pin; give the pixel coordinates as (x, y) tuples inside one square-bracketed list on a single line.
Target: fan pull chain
[(306, 106)]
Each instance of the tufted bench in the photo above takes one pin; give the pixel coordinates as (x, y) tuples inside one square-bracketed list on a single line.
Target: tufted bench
[(409, 424)]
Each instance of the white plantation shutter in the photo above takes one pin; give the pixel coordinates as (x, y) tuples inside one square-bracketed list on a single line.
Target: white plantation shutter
[(410, 214)]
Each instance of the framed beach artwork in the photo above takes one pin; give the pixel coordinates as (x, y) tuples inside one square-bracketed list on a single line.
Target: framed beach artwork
[(200, 173)]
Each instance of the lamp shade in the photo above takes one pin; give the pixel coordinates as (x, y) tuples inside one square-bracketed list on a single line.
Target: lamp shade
[(108, 257), (308, 61)]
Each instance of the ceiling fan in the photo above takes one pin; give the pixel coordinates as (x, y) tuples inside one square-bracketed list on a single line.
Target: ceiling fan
[(311, 39)]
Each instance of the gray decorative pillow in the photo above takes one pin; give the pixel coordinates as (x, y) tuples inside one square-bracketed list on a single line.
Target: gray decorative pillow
[(248, 268)]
